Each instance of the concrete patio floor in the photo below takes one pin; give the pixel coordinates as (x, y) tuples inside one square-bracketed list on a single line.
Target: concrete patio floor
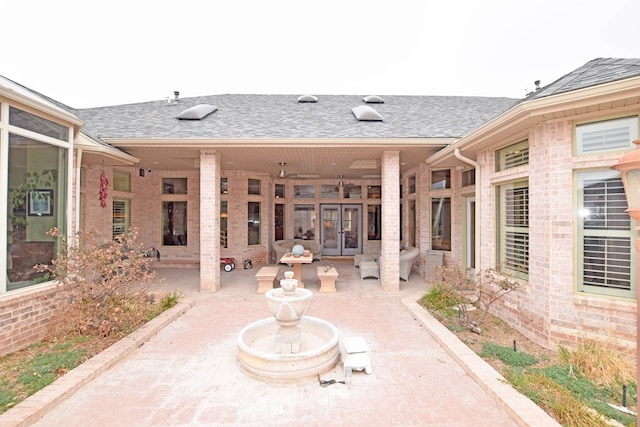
[(186, 374)]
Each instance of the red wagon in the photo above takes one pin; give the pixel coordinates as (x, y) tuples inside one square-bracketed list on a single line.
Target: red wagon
[(228, 264)]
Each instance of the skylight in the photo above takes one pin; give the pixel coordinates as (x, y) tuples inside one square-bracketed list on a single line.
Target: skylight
[(197, 112), (373, 99), (308, 98), (366, 113)]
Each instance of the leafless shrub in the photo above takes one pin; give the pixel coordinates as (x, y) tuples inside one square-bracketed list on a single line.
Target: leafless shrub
[(107, 281)]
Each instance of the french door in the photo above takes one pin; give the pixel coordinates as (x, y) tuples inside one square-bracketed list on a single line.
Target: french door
[(341, 231)]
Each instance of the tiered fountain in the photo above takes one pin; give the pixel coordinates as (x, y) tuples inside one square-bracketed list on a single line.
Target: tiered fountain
[(289, 345)]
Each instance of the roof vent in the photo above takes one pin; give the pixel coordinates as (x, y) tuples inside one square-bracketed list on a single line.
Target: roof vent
[(373, 99), (308, 98), (366, 113), (197, 112)]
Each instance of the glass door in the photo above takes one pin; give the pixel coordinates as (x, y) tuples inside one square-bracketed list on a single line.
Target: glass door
[(341, 229)]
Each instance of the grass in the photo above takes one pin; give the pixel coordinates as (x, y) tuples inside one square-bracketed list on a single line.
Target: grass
[(507, 355), (36, 367)]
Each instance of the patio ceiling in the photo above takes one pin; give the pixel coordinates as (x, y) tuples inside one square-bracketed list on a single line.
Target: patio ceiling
[(354, 160)]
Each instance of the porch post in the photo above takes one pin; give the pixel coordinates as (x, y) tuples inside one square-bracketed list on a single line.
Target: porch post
[(390, 251), (209, 221)]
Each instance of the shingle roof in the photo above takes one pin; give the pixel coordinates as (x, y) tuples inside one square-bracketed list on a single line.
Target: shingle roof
[(595, 72), (282, 116)]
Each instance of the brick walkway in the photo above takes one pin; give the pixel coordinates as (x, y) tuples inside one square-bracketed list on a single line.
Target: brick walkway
[(186, 373)]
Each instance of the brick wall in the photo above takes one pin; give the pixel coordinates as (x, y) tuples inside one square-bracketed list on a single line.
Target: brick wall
[(26, 315), (548, 310)]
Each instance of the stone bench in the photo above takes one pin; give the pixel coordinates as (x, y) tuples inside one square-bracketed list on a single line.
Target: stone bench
[(327, 279), (267, 278)]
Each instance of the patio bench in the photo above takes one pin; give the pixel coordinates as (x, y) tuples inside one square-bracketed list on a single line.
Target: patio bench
[(327, 279), (267, 278)]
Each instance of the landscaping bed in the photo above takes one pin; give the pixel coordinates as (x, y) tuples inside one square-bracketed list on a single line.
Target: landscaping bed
[(550, 378)]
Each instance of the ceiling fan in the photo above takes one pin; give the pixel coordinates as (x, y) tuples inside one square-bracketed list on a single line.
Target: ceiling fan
[(283, 173)]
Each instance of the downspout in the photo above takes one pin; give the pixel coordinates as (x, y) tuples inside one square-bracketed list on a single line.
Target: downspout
[(77, 190), (478, 222)]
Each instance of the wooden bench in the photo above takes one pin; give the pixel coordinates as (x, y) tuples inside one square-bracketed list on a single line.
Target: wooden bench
[(327, 279), (267, 278)]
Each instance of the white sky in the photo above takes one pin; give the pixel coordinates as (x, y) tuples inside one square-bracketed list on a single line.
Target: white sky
[(87, 53)]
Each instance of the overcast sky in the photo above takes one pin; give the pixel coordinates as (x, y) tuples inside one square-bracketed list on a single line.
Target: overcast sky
[(90, 53)]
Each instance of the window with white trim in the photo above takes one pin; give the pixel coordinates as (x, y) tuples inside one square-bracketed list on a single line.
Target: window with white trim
[(513, 228), (608, 135), (512, 156), (121, 217), (605, 236)]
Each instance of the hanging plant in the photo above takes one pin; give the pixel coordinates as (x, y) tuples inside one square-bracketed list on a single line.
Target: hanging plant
[(104, 184)]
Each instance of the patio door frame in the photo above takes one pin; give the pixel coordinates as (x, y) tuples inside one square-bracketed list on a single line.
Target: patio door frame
[(349, 230)]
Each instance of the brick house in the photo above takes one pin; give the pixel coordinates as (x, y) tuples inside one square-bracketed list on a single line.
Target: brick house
[(471, 181)]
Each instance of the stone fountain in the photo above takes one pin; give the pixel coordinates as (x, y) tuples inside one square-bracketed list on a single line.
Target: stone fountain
[(288, 345)]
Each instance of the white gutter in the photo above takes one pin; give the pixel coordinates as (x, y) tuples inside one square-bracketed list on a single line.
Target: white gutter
[(478, 222), (77, 190)]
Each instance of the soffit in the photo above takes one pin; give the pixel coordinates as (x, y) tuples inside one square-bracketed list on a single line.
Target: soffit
[(303, 159)]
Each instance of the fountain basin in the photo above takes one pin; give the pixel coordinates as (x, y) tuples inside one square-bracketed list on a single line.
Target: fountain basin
[(318, 353)]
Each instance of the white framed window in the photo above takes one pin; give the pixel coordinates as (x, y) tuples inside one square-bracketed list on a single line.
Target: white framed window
[(607, 135), (512, 156), (440, 223), (513, 228), (605, 236), (121, 217)]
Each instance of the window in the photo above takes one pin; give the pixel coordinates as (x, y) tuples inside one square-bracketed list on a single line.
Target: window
[(280, 191), (224, 186), (223, 224), (513, 228), (304, 191), (609, 135), (174, 223), (254, 187), (440, 179), (278, 221), (440, 223), (512, 156), (38, 124), (374, 222), (352, 191), (329, 191), (304, 222), (253, 216), (412, 223), (468, 177), (122, 181), (374, 191), (36, 202), (174, 185), (412, 185), (121, 217), (605, 236)]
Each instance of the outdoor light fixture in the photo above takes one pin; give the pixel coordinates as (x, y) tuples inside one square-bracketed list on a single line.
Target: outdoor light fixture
[(282, 173), (341, 181), (629, 167)]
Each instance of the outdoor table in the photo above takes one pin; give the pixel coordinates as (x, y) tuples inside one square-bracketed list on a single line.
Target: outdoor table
[(297, 265)]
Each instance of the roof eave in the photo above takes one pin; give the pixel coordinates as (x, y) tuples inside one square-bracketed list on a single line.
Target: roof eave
[(41, 105), (515, 123), (89, 145)]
